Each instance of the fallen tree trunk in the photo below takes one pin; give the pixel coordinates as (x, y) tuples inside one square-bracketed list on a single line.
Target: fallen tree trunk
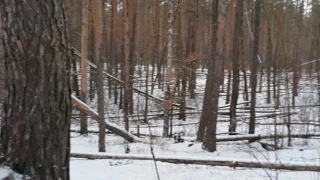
[(303, 166), (291, 123), (110, 126), (109, 132), (257, 137)]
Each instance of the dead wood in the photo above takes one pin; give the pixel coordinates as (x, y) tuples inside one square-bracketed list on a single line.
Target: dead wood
[(206, 161), (110, 126)]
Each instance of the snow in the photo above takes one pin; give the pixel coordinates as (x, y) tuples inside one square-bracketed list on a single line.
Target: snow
[(7, 172), (303, 151)]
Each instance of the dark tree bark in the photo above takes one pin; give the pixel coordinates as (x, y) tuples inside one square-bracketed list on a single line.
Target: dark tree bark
[(269, 62), (35, 137), (97, 28), (126, 68), (133, 27), (2, 72), (156, 46), (209, 115), (191, 45), (236, 65), (112, 51), (254, 65)]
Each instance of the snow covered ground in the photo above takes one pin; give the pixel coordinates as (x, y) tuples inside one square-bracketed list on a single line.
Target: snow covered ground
[(302, 150)]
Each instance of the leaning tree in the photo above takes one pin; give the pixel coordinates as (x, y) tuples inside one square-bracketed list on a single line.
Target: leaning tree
[(35, 138)]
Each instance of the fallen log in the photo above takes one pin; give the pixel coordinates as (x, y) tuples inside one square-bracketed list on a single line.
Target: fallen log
[(110, 126), (109, 132), (233, 163), (291, 123), (257, 137)]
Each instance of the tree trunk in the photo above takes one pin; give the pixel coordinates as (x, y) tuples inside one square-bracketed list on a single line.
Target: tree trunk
[(2, 72), (254, 65), (84, 54), (236, 65), (167, 105), (269, 61), (35, 137), (191, 46), (127, 63), (147, 59), (112, 51), (97, 29), (156, 53), (209, 115), (228, 83)]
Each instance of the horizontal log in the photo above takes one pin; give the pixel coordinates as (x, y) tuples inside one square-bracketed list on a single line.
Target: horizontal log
[(257, 137), (109, 132), (291, 123), (233, 163)]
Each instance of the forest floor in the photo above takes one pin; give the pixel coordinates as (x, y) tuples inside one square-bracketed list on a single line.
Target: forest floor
[(302, 150)]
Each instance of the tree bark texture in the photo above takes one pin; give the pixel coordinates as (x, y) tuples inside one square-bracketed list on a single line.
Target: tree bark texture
[(127, 63), (167, 105), (208, 120), (98, 28), (254, 66), (84, 55), (35, 137), (191, 45), (236, 65)]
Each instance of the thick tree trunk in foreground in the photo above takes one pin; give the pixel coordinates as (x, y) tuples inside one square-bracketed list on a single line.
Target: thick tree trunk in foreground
[(35, 127), (233, 163)]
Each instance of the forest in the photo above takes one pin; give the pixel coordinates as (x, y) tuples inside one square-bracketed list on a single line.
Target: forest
[(159, 89)]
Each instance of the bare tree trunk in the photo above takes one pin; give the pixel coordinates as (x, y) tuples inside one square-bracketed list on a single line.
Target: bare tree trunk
[(75, 83), (228, 83), (97, 28), (147, 59), (269, 61), (236, 65), (298, 47), (126, 69), (3, 78), (35, 137), (132, 18), (156, 54), (170, 70), (254, 65), (209, 115), (84, 54), (191, 45), (112, 51)]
